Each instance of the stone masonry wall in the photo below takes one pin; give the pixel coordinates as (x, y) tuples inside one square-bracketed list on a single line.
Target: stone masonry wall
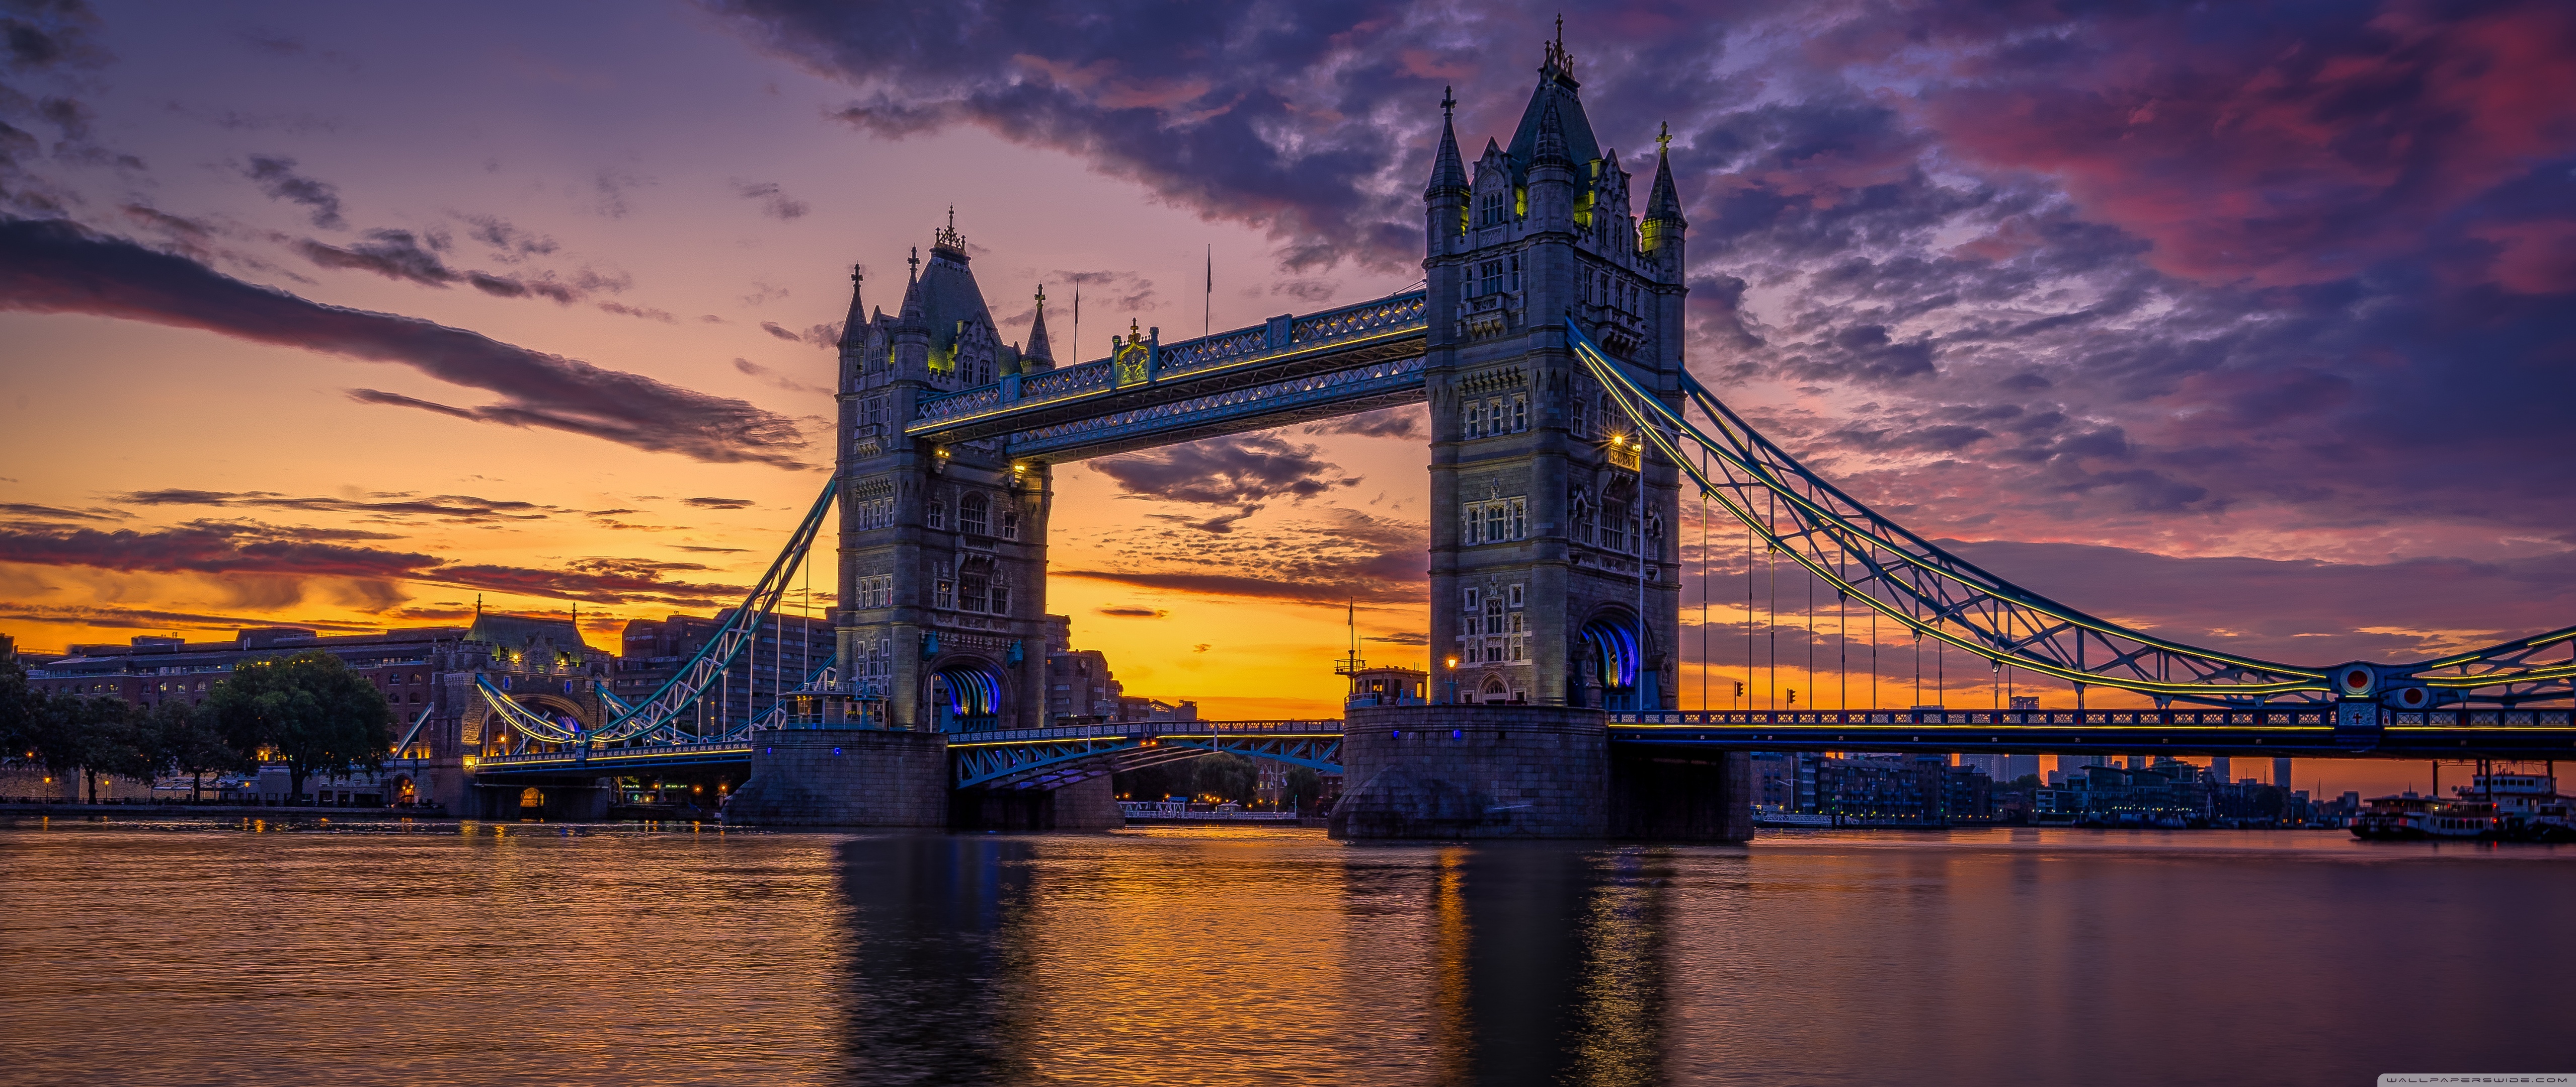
[(1450, 771), (844, 778)]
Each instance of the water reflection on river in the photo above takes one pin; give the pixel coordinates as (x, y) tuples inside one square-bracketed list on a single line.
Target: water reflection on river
[(438, 954)]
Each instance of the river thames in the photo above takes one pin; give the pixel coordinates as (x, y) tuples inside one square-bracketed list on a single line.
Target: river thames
[(445, 953)]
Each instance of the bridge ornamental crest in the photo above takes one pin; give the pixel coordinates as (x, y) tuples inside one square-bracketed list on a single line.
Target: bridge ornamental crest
[(1135, 361)]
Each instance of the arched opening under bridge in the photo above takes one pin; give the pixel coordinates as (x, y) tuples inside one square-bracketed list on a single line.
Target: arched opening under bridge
[(966, 697), (1607, 670)]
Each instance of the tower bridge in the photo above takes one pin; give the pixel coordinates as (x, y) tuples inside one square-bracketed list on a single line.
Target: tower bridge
[(1547, 339)]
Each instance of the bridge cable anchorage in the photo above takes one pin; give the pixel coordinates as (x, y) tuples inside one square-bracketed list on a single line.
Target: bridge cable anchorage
[(657, 718), (1901, 575)]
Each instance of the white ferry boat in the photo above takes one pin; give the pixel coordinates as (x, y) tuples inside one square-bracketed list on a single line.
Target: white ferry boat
[(2495, 806)]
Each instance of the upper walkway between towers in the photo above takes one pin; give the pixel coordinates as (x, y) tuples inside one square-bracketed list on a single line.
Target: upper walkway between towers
[(1285, 370)]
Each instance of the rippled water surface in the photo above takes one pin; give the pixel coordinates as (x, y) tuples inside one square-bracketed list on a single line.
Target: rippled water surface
[(434, 953)]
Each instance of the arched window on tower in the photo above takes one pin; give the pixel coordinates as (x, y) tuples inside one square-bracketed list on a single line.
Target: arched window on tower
[(971, 512)]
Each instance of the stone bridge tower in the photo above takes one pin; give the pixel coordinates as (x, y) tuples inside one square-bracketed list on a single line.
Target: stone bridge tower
[(1554, 571), (943, 548)]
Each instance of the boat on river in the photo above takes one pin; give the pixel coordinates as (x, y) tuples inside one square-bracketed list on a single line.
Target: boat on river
[(2493, 807)]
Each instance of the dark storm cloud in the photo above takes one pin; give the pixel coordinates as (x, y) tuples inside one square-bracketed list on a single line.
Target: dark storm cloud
[(1270, 114), (1243, 470), (773, 203), (155, 619), (445, 507), (51, 54), (2315, 260), (717, 503), (57, 513), (1125, 611), (56, 267), (508, 241), (209, 547), (276, 176), (393, 254), (295, 555)]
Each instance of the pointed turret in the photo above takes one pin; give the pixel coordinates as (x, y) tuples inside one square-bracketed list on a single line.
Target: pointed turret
[(1445, 198), (911, 315), (1448, 171), (854, 327), (1039, 357), (1660, 235)]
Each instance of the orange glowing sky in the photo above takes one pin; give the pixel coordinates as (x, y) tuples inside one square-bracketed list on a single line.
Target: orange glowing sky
[(1996, 317)]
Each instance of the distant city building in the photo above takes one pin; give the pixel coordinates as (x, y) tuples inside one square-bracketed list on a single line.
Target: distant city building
[(1080, 686)]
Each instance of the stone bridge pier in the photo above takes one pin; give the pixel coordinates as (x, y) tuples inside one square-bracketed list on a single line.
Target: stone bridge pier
[(1468, 772)]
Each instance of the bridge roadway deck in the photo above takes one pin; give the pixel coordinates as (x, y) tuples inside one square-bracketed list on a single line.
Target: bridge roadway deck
[(1052, 757)]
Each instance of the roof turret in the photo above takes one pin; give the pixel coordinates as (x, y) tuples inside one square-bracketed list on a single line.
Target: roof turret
[(1448, 172), (1038, 348)]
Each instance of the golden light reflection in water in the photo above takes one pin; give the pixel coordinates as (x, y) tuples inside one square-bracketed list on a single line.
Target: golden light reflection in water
[(394, 953)]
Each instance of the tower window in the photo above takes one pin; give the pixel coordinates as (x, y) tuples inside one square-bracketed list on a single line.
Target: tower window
[(1011, 526), (1520, 412), (1491, 272), (938, 517), (971, 512), (1515, 272), (1490, 209)]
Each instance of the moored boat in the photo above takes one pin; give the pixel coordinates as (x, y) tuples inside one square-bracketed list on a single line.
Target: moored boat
[(2493, 806)]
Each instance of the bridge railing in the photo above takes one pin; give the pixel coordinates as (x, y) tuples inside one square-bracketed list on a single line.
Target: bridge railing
[(1234, 347), (598, 752), (1145, 730)]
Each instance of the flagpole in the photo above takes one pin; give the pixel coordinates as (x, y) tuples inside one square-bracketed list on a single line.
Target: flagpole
[(1077, 321), (1207, 325)]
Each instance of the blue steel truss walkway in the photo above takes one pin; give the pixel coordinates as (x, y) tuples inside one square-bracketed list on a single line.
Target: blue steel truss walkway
[(1048, 758), (1287, 370)]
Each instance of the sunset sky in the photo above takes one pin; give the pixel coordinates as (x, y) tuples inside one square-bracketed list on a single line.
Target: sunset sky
[(2251, 324)]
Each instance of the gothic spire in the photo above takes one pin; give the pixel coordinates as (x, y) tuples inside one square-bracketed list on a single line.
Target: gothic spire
[(1664, 204), (854, 328), (1038, 348), (1448, 172), (912, 311)]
